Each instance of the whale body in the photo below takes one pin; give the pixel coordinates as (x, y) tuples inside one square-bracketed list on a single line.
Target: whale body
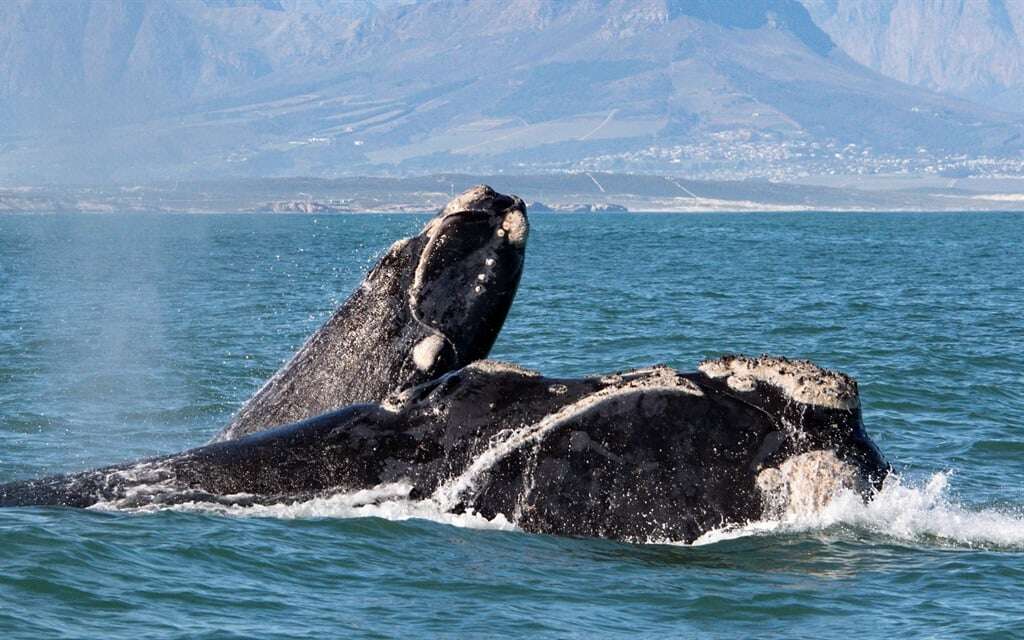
[(650, 454), (433, 303)]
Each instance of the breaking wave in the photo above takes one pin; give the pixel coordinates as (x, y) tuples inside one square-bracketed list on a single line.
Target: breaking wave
[(904, 511)]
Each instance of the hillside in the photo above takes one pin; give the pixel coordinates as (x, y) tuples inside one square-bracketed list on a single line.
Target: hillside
[(122, 91), (972, 48)]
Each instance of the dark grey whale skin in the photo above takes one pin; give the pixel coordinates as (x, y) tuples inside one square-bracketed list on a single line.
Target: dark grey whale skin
[(634, 456), (450, 288)]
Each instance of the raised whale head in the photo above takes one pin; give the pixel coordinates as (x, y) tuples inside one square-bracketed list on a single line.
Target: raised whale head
[(820, 445), (433, 303), (466, 276)]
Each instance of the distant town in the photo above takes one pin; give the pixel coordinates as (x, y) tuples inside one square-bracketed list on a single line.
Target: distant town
[(746, 154)]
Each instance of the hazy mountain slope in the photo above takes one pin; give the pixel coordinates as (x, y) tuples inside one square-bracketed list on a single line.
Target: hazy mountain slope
[(88, 62), (969, 48), (119, 90)]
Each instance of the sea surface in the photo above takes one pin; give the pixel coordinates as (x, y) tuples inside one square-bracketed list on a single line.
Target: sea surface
[(124, 336)]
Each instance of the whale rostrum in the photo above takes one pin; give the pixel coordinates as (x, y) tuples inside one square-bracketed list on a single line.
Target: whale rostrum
[(649, 454), (433, 303)]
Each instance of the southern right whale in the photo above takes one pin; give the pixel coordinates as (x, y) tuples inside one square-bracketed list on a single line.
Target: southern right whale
[(433, 303), (650, 454)]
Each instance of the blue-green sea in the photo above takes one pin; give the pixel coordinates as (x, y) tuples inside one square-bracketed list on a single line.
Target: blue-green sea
[(124, 336)]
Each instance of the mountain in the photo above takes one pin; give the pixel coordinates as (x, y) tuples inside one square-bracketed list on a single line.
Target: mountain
[(116, 90), (968, 48)]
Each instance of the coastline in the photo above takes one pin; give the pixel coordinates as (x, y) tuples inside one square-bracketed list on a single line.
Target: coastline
[(568, 193)]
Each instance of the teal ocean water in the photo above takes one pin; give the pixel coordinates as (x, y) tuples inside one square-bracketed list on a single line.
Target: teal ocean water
[(127, 336)]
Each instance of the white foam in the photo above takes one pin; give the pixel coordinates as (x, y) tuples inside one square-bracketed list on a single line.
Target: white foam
[(386, 501), (915, 512), (805, 483), (906, 511)]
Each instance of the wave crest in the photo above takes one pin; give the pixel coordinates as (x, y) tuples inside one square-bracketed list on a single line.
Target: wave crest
[(921, 512)]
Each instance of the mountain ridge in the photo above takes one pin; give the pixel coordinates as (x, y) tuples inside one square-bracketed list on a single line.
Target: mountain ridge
[(192, 89), (972, 49)]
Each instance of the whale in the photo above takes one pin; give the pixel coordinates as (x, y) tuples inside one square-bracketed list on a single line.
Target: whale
[(644, 455), (433, 303)]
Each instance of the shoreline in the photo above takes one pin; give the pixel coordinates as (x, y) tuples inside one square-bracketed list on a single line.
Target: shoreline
[(576, 194)]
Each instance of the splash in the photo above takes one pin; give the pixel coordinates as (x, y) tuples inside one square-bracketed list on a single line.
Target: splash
[(806, 483), (903, 510), (812, 493), (386, 501)]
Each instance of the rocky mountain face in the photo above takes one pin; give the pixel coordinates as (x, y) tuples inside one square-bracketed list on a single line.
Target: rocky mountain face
[(117, 90), (969, 48)]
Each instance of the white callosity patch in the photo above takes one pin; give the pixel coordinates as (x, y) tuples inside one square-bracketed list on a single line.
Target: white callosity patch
[(476, 198), (801, 380), (656, 370), (660, 379), (481, 198), (497, 366), (806, 483), (425, 353), (741, 383), (515, 226)]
